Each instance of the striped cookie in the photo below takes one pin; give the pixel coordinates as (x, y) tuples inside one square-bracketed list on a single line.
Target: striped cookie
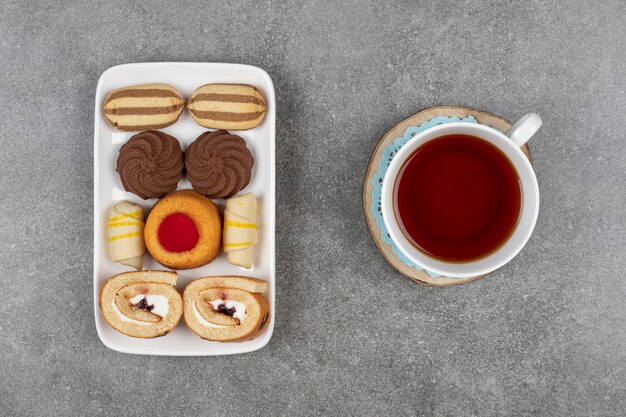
[(143, 107), (227, 106)]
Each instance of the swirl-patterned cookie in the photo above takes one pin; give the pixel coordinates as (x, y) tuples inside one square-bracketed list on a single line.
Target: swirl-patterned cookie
[(150, 164), (219, 164)]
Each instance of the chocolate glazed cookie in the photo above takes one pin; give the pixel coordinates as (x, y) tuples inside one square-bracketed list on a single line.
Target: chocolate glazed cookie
[(219, 164), (150, 164)]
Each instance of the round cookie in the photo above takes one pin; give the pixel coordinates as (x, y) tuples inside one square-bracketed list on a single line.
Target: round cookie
[(150, 164), (143, 107), (219, 164), (184, 230), (227, 106)]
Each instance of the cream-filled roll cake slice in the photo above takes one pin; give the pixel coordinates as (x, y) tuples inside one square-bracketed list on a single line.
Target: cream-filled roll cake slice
[(226, 308), (142, 304)]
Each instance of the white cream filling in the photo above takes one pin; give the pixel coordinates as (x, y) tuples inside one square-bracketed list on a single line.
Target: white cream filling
[(240, 308), (127, 319), (202, 320), (159, 303)]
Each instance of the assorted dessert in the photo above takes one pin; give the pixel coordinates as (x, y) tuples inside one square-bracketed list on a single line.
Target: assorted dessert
[(145, 304), (155, 106), (142, 304), (126, 226), (143, 107), (219, 164), (226, 309), (227, 106), (240, 229), (150, 164), (185, 229)]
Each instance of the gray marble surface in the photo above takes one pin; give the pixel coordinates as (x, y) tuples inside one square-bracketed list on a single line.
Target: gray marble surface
[(545, 335)]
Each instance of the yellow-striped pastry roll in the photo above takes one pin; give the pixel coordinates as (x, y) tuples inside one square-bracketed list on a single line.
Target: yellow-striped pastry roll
[(226, 308), (142, 304), (125, 224), (240, 229)]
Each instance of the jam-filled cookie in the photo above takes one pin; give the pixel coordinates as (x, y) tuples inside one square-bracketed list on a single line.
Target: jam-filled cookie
[(184, 230)]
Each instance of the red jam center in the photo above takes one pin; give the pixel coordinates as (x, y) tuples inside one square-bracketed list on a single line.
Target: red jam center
[(178, 233)]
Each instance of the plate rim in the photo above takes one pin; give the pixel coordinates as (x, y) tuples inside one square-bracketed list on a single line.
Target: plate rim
[(272, 195)]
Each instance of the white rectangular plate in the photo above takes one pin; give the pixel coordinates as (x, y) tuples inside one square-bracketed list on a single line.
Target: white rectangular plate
[(186, 77)]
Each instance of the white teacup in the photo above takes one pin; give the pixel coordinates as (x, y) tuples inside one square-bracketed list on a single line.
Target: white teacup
[(509, 143)]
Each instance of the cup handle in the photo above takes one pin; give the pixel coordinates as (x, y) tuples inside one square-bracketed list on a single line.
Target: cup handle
[(524, 129)]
